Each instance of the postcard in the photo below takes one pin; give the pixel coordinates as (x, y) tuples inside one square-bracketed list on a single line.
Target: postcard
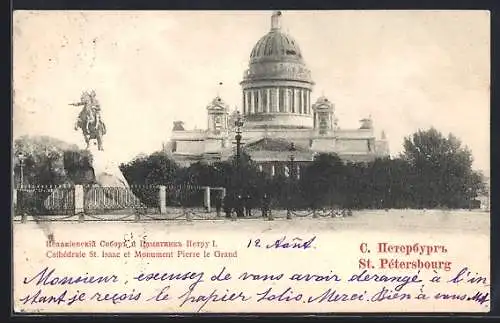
[(251, 161)]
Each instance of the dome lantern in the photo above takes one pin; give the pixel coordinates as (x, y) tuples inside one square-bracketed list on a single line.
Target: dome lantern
[(276, 20)]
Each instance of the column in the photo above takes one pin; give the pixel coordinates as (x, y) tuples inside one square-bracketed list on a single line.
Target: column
[(249, 102), (244, 102), (307, 101), (295, 101), (276, 100), (286, 99), (260, 106), (268, 101), (255, 101), (252, 101), (299, 101)]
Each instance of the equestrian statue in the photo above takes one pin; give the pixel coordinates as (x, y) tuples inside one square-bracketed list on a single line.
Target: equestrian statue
[(89, 119)]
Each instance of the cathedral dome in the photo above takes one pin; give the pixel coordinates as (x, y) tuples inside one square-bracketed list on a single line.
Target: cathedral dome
[(276, 46), (277, 84)]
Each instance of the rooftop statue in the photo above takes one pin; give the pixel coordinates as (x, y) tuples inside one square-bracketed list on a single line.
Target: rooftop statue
[(89, 119)]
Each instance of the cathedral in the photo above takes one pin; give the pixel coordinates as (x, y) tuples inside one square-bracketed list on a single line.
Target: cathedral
[(277, 114)]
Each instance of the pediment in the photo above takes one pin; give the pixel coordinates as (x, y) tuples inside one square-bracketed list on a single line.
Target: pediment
[(273, 144)]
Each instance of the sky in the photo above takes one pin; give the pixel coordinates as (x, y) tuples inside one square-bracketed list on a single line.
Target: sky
[(409, 70)]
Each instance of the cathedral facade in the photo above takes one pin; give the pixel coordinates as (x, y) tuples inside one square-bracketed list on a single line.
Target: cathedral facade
[(277, 110)]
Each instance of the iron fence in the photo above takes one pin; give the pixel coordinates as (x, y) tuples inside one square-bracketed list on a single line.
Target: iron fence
[(138, 203), (104, 200), (45, 200)]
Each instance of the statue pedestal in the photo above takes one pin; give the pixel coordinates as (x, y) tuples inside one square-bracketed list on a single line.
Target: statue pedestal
[(106, 170)]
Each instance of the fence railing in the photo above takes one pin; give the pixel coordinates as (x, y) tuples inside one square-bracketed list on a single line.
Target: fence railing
[(46, 202), (139, 202), (45, 199)]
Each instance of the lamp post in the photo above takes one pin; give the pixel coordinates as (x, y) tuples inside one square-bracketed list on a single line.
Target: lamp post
[(238, 123), (21, 166), (291, 179)]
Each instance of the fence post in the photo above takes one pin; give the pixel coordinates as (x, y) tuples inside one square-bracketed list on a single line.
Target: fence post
[(79, 200), (14, 199), (315, 215), (163, 199), (207, 198)]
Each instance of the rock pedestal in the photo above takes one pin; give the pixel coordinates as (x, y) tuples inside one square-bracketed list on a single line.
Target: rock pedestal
[(108, 175), (106, 171)]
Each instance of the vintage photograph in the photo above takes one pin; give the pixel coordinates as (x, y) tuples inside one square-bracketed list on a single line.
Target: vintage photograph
[(329, 122)]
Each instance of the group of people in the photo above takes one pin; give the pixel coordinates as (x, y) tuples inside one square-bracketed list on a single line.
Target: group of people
[(241, 205)]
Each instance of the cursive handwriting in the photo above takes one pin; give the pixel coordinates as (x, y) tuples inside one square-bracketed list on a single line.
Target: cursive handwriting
[(467, 276), (189, 290), (48, 277), (404, 280), (284, 243), (196, 276), (215, 296)]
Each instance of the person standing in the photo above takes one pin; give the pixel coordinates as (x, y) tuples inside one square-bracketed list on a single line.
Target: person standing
[(239, 206), (227, 205), (266, 205), (218, 204), (248, 205)]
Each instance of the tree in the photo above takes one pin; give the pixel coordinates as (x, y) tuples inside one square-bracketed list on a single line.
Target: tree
[(154, 169), (45, 160), (441, 174), (323, 181)]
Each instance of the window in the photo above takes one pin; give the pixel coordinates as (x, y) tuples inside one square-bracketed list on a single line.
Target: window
[(273, 100), (264, 100), (291, 100)]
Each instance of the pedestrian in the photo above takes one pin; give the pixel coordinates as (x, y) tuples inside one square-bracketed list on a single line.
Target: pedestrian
[(266, 206), (239, 206), (227, 205), (218, 204), (248, 205)]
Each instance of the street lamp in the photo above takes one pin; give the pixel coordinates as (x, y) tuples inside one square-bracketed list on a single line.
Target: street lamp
[(238, 123), (21, 166), (291, 175)]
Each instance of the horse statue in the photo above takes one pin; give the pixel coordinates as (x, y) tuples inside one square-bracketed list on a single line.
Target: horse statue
[(89, 119)]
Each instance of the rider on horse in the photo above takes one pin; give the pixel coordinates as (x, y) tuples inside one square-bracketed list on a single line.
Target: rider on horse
[(90, 114)]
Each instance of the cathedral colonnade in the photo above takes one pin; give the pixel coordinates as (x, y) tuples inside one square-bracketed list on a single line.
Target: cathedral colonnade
[(277, 99)]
